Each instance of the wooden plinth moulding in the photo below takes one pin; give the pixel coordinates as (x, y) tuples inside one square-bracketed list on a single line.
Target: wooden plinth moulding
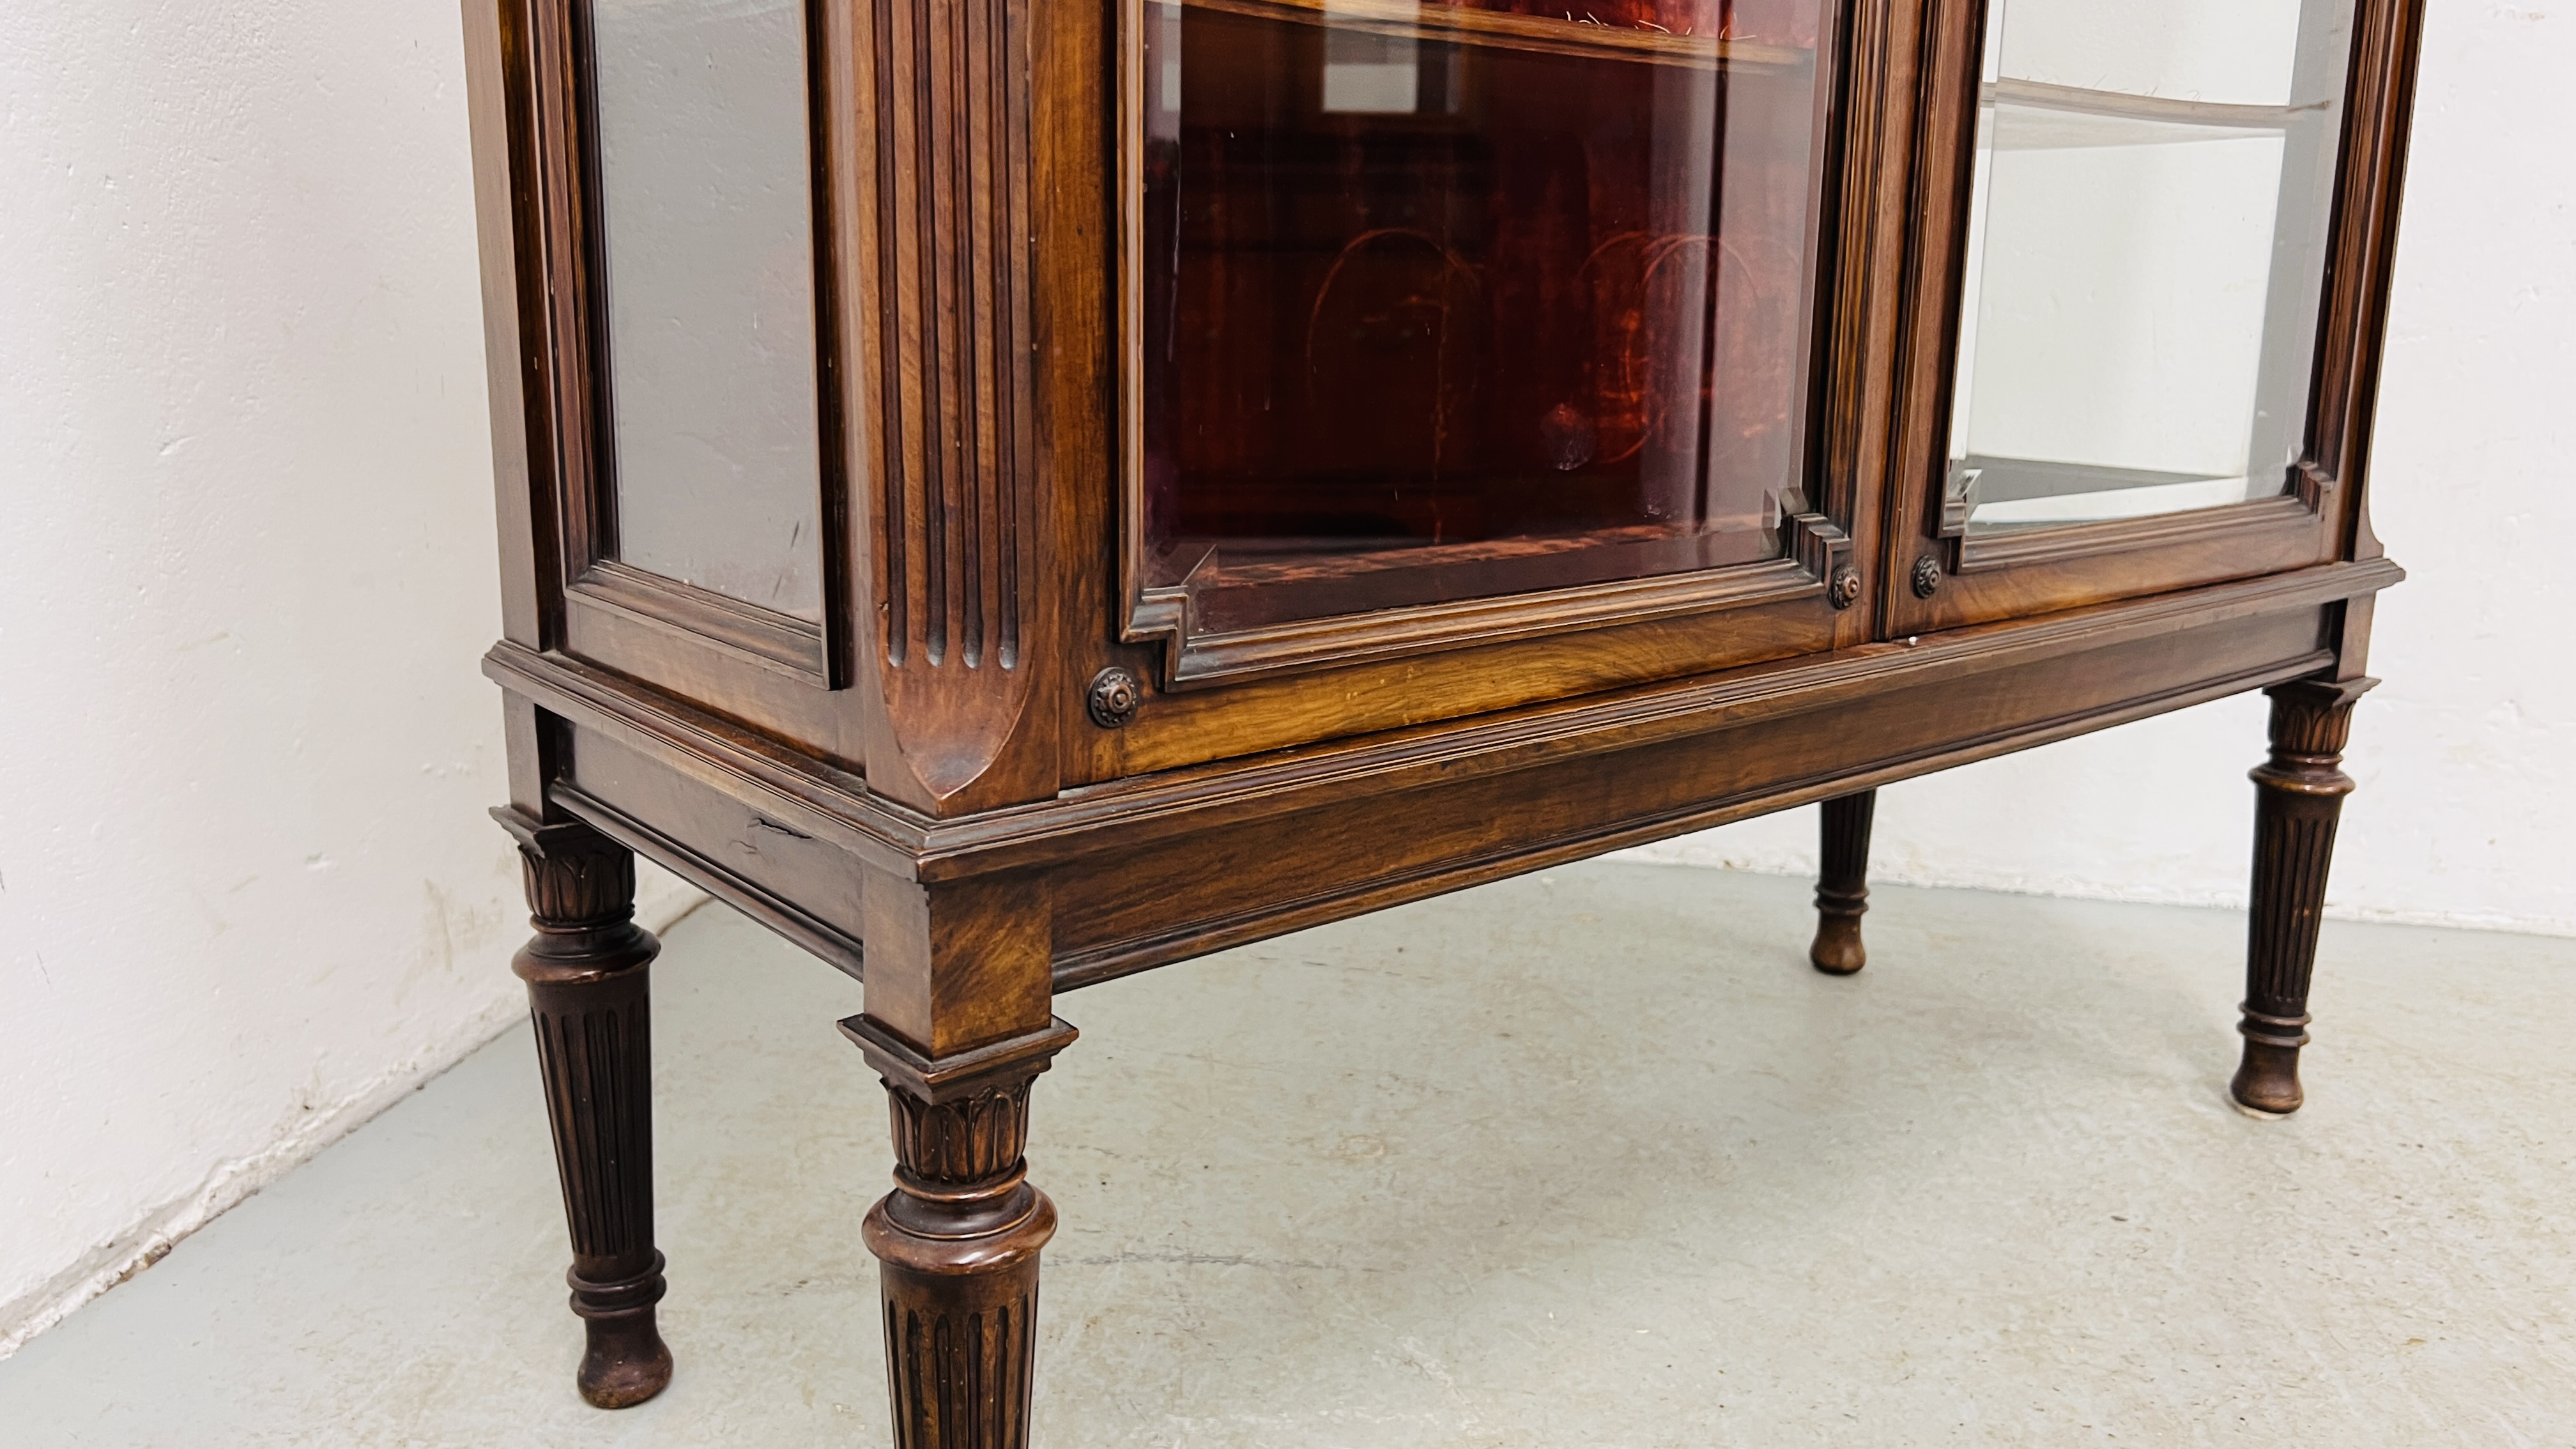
[(1842, 883), (957, 1241), (2297, 801), (588, 999)]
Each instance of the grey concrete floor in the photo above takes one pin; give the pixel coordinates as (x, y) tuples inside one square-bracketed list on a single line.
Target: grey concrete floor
[(1587, 1158)]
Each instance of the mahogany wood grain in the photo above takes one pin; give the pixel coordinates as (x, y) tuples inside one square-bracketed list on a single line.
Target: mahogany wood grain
[(506, 218), (1164, 899), (759, 861), (934, 104), (1166, 867), (1180, 729), (838, 806)]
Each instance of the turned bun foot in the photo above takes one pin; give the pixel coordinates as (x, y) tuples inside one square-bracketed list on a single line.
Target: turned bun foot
[(1838, 951), (2267, 1080), (626, 1362)]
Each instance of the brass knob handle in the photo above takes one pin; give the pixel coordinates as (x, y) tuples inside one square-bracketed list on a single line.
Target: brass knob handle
[(1844, 591)]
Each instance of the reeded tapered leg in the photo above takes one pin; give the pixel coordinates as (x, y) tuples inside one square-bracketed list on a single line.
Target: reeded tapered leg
[(587, 997), (1842, 884), (957, 1240), (2298, 798)]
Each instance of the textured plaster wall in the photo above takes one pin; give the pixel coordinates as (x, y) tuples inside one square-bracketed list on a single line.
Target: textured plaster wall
[(248, 895), (2466, 796)]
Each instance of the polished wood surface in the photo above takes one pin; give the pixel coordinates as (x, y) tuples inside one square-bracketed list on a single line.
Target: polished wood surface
[(2298, 800), (1461, 657), (957, 1241), (1842, 883), (589, 999), (919, 790)]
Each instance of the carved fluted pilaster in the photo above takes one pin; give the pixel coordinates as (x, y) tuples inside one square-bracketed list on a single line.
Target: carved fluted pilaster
[(1842, 883), (2298, 801), (957, 1241), (589, 1001)]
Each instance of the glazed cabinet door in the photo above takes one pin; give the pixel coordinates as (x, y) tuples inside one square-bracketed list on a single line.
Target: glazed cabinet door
[(2161, 243), (1472, 353), (690, 521)]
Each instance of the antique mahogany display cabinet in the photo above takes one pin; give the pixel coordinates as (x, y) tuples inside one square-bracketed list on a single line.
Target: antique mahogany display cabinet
[(1012, 493)]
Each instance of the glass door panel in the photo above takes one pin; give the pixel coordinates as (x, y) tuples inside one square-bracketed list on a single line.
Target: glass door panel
[(2146, 255), (705, 212), (1443, 301)]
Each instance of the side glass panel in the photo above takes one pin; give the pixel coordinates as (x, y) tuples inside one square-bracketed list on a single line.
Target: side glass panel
[(1460, 298), (2146, 255), (706, 222)]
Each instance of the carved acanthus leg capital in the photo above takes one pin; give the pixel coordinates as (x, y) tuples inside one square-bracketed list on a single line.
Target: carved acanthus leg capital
[(957, 1241), (1842, 883), (581, 899), (2298, 801), (589, 1000)]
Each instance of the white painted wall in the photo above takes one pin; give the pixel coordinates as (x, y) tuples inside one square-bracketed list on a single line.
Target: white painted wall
[(2463, 755), (248, 895)]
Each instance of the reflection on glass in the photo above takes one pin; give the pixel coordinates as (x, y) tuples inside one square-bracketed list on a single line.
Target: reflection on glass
[(706, 219), (1448, 300), (2146, 254)]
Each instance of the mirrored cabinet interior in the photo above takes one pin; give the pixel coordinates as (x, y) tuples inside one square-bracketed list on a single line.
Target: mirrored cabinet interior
[(1011, 495)]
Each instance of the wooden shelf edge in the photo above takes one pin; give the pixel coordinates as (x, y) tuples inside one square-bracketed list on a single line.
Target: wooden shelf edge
[(2131, 106)]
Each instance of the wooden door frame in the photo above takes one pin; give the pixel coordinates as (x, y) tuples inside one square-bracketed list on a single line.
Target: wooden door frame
[(2319, 516), (546, 349), (1226, 696)]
